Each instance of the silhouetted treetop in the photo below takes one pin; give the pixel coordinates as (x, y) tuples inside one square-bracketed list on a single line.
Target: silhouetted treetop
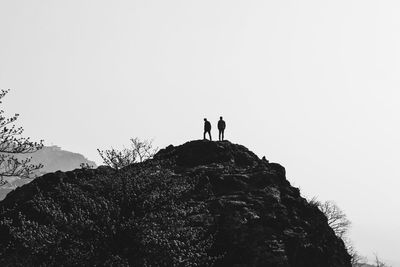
[(13, 147)]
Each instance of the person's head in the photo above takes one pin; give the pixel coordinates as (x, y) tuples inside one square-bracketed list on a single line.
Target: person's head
[(205, 119), (220, 118)]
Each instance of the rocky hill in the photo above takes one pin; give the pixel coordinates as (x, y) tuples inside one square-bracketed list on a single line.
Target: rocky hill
[(199, 204), (53, 159)]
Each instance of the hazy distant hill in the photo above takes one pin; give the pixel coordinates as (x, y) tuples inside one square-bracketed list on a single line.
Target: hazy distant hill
[(54, 159)]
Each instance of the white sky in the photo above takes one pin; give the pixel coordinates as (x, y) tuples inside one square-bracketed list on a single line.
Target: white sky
[(313, 85)]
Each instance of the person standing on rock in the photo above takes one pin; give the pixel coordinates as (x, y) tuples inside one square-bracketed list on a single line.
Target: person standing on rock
[(207, 128), (221, 128)]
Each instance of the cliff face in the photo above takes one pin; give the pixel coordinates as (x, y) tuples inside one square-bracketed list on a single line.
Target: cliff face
[(200, 204)]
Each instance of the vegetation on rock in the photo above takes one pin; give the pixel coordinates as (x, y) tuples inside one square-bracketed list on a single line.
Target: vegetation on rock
[(200, 204), (139, 151)]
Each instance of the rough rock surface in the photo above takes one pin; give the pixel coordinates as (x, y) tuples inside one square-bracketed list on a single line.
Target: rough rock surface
[(199, 204)]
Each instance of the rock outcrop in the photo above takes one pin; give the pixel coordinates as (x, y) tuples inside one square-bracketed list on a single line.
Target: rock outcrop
[(199, 204)]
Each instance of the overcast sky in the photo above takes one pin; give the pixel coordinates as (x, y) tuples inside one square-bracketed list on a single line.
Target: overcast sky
[(313, 85)]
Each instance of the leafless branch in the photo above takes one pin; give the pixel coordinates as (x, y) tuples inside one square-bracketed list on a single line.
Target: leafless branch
[(13, 146), (379, 263), (143, 149), (139, 151), (337, 219), (117, 159)]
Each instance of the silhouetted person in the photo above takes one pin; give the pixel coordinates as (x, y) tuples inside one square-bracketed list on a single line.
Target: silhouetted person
[(207, 128), (221, 128)]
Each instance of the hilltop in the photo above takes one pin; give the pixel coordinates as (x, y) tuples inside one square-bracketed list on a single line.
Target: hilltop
[(199, 204)]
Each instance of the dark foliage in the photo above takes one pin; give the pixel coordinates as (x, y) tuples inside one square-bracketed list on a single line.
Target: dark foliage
[(227, 210)]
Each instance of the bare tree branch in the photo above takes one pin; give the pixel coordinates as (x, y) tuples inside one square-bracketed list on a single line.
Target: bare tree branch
[(143, 149), (379, 263), (337, 219), (117, 159), (356, 258), (13, 146), (139, 151)]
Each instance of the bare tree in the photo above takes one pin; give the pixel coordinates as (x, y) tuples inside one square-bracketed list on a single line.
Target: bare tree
[(14, 147), (337, 219), (117, 159), (139, 151), (379, 263), (356, 259), (143, 149)]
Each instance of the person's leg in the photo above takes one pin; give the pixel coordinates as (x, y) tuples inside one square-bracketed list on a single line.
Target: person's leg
[(219, 135), (222, 134), (209, 133), (204, 135)]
